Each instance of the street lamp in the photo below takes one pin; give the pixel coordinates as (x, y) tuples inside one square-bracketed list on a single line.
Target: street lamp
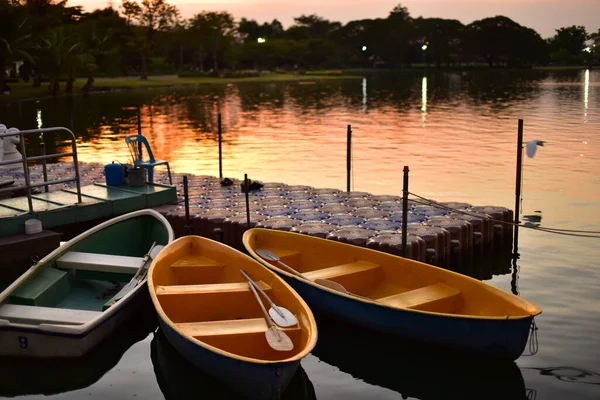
[(424, 47), (261, 40), (364, 48)]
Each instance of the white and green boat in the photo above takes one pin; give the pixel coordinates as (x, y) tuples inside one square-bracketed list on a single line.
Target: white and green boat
[(82, 291)]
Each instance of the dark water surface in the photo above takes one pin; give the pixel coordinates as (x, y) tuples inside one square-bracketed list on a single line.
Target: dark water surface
[(457, 133)]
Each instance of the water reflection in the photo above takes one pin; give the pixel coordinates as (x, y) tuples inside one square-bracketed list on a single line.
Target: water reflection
[(586, 91), (415, 370), (570, 374), (424, 94), (23, 376), (184, 117), (179, 379), (364, 95)]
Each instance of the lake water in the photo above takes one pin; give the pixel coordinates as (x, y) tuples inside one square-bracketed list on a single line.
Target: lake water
[(457, 133)]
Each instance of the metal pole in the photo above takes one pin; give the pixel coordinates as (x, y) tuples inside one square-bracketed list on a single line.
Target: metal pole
[(25, 170), (404, 210), (220, 153), (76, 166), (246, 189), (187, 228), (44, 167), (139, 129), (518, 187), (348, 158)]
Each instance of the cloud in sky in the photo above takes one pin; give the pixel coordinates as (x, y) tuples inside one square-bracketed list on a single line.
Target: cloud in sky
[(545, 16)]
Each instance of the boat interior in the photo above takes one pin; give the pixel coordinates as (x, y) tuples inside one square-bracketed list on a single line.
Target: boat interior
[(202, 292), (80, 283), (386, 279)]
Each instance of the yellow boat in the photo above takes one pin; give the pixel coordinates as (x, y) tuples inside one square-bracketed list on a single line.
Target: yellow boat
[(395, 295), (210, 312)]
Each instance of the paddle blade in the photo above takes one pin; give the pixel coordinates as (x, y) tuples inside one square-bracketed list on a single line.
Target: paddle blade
[(286, 321), (331, 285), (278, 340), (267, 255)]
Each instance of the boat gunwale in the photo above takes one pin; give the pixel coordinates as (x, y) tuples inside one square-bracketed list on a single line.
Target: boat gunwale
[(83, 329), (506, 295), (312, 330)]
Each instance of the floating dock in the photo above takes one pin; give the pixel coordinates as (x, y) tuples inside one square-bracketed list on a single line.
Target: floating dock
[(441, 234), (59, 207)]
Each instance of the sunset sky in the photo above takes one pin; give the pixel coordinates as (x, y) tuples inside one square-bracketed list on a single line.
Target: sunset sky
[(542, 15)]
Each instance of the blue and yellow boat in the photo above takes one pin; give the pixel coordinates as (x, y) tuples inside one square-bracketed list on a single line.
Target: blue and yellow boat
[(208, 312), (395, 295)]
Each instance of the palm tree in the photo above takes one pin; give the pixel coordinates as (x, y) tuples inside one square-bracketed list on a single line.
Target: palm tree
[(60, 53), (13, 42)]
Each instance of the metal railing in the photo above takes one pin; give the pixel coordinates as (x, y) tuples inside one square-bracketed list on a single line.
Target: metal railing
[(24, 160)]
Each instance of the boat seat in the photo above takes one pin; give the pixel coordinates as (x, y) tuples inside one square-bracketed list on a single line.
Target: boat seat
[(194, 269), (340, 270), (46, 288), (288, 257), (228, 327), (210, 288), (35, 315), (99, 262), (436, 298)]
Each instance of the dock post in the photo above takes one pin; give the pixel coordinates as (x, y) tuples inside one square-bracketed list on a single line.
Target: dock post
[(44, 166), (139, 129), (187, 229), (404, 210), (348, 158), (246, 190), (518, 187), (220, 151)]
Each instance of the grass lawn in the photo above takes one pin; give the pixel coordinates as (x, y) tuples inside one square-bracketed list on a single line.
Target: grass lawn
[(23, 90)]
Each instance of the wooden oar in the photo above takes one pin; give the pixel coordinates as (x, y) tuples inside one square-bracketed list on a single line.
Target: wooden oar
[(267, 255), (282, 316), (277, 339), (137, 278)]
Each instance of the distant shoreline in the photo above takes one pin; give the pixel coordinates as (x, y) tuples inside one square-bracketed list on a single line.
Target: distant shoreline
[(25, 91)]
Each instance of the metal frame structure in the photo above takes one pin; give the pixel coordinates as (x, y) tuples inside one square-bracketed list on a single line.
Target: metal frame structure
[(25, 160)]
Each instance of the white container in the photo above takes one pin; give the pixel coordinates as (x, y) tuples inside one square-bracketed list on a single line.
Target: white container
[(33, 226)]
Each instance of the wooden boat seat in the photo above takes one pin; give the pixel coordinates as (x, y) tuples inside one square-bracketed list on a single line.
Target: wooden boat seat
[(46, 288), (437, 298), (194, 261), (194, 269), (340, 270), (287, 256), (210, 288), (99, 262), (228, 327), (34, 315)]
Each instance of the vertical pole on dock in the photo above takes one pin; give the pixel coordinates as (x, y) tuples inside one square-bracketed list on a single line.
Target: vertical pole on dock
[(220, 152), (187, 229), (139, 129), (44, 167), (348, 158), (246, 189), (404, 210), (518, 187)]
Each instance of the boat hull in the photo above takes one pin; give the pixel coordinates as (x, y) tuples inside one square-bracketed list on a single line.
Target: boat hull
[(254, 380), (22, 340), (62, 340), (504, 339), (397, 296)]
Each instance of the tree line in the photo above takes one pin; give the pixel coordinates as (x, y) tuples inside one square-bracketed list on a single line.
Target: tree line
[(51, 41)]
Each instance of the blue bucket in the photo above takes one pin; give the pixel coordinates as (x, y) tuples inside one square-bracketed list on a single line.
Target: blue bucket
[(114, 174)]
